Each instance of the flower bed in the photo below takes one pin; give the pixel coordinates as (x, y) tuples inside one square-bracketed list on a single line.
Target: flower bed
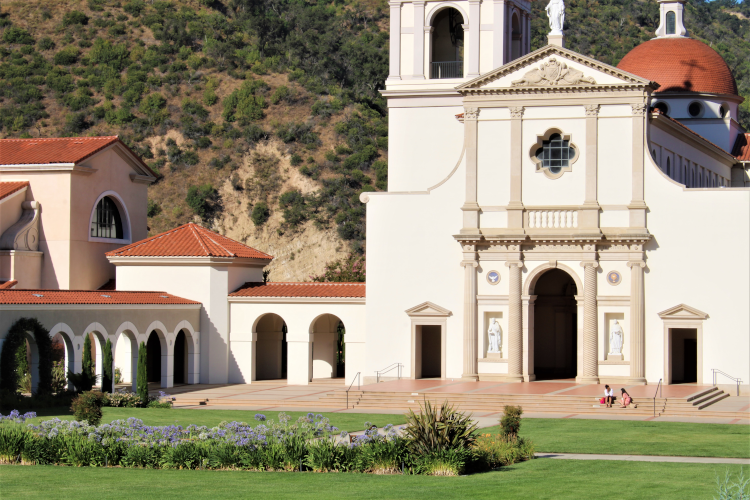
[(310, 443)]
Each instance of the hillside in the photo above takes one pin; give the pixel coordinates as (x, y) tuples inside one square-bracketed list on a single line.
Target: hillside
[(262, 117)]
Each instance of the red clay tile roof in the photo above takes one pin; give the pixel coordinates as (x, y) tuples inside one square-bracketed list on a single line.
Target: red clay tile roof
[(189, 240), (332, 290), (741, 149), (680, 65), (8, 188), (57, 150), (89, 297), (7, 285), (109, 285)]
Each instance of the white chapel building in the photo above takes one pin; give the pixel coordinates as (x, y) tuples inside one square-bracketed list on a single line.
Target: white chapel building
[(548, 216)]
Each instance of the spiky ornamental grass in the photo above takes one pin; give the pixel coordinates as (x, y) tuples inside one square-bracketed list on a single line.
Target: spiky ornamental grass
[(434, 431)]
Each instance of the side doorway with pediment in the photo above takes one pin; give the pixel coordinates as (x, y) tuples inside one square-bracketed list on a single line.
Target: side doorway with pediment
[(683, 344), (429, 329)]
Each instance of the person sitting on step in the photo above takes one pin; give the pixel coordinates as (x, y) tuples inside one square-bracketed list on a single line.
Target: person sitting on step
[(609, 396), (625, 398)]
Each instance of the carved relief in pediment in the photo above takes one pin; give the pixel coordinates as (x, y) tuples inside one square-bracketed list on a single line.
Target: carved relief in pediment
[(553, 73)]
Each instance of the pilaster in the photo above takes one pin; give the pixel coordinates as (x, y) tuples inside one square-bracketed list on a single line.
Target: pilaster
[(589, 215), (394, 72), (474, 33), (498, 34), (470, 207), (637, 205), (418, 41), (637, 324), (590, 325), (515, 206)]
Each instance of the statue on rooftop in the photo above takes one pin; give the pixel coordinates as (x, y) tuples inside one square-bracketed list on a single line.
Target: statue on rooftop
[(556, 14)]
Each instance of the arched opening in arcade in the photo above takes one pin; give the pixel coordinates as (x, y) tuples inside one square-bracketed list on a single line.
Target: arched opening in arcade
[(447, 45), (328, 350), (270, 348), (154, 358), (126, 360), (555, 326), (184, 358)]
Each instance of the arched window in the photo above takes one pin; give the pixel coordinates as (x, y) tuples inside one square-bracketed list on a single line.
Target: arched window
[(515, 47), (106, 222), (671, 18), (447, 45)]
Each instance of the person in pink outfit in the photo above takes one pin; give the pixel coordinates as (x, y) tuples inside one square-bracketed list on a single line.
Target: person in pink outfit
[(625, 399)]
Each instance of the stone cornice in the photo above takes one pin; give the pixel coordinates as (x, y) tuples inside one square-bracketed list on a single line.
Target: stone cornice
[(96, 307), (187, 261), (546, 51), (296, 300)]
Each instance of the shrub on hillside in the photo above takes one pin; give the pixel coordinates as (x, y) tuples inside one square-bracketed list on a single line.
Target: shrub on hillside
[(18, 35), (351, 270), (200, 198), (67, 56), (260, 213), (87, 407)]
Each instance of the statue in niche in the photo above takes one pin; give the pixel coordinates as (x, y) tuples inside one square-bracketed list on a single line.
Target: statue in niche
[(495, 336), (556, 14), (615, 339)]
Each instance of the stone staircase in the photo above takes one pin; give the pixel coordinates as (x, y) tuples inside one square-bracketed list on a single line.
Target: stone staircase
[(696, 405)]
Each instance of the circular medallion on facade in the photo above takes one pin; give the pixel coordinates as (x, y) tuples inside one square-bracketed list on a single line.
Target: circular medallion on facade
[(493, 277), (614, 278)]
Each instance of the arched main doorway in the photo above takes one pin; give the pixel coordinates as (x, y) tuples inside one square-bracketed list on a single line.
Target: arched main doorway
[(328, 347), (270, 348), (555, 326), (447, 48)]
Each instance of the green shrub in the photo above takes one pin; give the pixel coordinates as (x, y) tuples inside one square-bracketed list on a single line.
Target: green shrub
[(436, 430), (12, 441), (510, 422), (142, 377), (351, 270), (88, 407), (185, 455), (244, 104), (200, 198), (105, 53), (134, 7), (279, 94), (260, 214), (67, 56), (295, 159), (45, 43), (295, 209), (18, 35), (75, 17), (59, 381), (153, 208)]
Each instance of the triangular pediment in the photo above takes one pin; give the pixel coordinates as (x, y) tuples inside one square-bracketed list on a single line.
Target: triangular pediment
[(428, 309), (553, 67), (683, 311)]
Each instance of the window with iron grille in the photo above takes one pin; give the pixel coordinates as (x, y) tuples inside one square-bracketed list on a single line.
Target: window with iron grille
[(554, 153), (106, 222)]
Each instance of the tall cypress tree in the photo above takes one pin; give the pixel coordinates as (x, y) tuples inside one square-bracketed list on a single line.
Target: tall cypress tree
[(142, 378), (88, 365), (108, 375)]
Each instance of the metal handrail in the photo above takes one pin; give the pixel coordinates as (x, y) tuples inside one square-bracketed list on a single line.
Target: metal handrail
[(716, 371), (388, 368), (357, 378), (658, 391)]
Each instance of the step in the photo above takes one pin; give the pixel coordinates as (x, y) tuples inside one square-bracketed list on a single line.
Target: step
[(701, 394), (716, 399)]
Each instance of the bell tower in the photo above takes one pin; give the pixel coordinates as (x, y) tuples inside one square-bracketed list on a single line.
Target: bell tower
[(440, 44), (671, 22)]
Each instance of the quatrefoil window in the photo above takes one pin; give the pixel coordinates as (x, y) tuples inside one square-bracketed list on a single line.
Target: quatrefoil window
[(554, 153)]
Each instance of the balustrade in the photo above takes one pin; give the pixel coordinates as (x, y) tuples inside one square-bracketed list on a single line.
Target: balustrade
[(552, 219)]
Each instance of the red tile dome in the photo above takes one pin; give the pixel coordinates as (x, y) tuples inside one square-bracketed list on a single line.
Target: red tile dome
[(680, 65)]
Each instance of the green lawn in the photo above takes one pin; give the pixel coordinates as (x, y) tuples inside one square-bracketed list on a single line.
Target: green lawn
[(626, 437), (164, 416), (541, 478)]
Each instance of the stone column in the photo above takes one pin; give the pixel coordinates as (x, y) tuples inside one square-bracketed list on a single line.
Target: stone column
[(470, 313), (590, 325), (515, 324), (471, 207), (394, 72), (637, 207), (474, 33), (498, 34), (515, 206), (637, 324), (418, 40)]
